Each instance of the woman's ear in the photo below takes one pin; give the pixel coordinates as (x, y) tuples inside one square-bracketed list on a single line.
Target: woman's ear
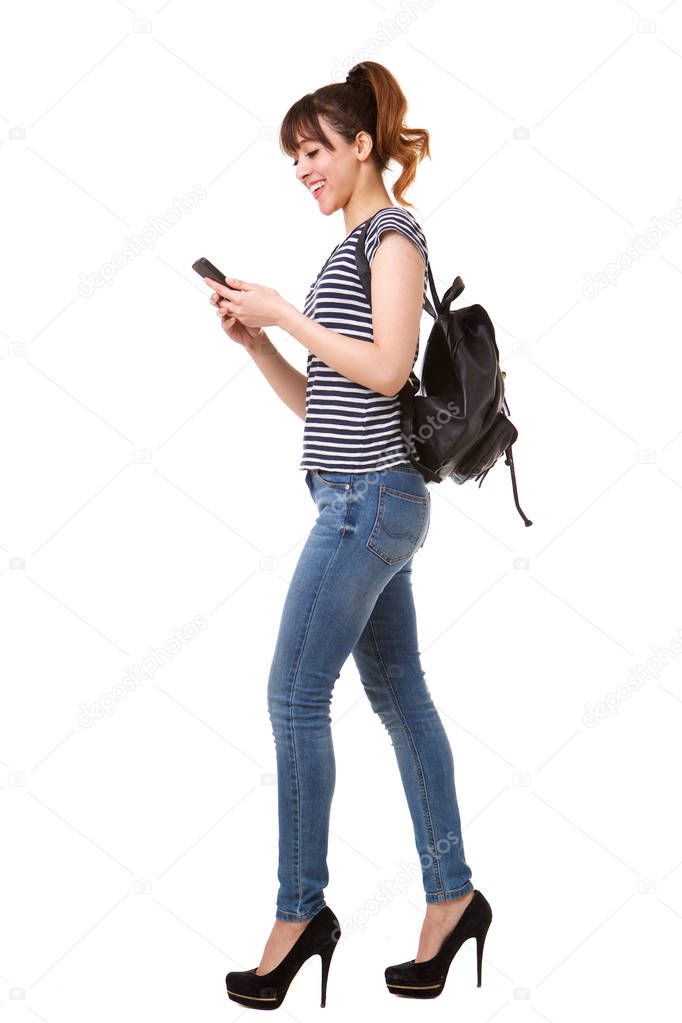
[(363, 141)]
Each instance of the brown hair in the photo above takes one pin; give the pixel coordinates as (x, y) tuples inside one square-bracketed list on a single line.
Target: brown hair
[(369, 100)]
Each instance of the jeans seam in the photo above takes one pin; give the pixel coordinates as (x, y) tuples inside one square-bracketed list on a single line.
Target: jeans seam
[(418, 498), (349, 505), (297, 869), (329, 483), (296, 917), (422, 785), (451, 893)]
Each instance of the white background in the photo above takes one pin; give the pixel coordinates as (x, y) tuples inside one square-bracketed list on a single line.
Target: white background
[(149, 475)]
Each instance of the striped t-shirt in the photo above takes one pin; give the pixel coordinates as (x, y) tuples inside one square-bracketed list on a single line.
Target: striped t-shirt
[(348, 427)]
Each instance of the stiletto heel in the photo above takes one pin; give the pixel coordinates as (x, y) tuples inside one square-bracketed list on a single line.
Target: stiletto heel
[(426, 979), (267, 990), (325, 958), (480, 940)]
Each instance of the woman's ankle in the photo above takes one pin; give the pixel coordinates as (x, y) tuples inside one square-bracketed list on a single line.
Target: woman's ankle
[(437, 908)]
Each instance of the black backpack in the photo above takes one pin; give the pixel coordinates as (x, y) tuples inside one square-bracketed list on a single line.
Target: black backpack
[(456, 428)]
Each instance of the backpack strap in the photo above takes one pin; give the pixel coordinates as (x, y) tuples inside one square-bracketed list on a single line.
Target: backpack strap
[(365, 274), (509, 460)]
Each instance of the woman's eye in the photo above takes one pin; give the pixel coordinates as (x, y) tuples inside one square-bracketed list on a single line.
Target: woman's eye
[(313, 152)]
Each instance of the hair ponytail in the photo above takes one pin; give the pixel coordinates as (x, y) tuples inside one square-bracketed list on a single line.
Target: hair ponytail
[(395, 141), (369, 100)]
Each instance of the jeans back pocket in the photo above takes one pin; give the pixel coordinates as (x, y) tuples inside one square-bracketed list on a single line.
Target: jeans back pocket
[(400, 524)]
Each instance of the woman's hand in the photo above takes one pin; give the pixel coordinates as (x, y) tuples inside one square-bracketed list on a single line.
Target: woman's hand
[(253, 305), (235, 330)]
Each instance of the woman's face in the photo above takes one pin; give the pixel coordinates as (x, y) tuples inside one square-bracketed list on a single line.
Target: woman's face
[(338, 169)]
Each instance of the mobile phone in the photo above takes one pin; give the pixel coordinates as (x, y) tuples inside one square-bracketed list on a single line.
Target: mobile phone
[(206, 269)]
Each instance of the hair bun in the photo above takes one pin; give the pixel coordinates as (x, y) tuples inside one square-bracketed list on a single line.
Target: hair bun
[(355, 73)]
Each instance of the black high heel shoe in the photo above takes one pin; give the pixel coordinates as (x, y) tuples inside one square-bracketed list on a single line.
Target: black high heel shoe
[(267, 990), (426, 979)]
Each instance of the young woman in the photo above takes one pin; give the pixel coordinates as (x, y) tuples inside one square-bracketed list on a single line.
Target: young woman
[(351, 589)]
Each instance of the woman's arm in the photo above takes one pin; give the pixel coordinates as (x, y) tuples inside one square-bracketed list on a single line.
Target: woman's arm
[(397, 298), (397, 276), (285, 380)]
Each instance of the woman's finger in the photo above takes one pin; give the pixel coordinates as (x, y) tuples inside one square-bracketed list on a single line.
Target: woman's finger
[(220, 288)]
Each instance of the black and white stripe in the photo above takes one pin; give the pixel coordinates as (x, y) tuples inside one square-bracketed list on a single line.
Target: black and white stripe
[(348, 427)]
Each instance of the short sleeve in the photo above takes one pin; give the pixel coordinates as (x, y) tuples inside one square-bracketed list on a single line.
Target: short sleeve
[(395, 219)]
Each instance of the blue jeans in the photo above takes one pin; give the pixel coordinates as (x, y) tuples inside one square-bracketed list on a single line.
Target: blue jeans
[(351, 593)]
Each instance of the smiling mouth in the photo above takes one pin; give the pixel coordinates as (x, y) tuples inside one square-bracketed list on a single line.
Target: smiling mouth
[(317, 188)]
